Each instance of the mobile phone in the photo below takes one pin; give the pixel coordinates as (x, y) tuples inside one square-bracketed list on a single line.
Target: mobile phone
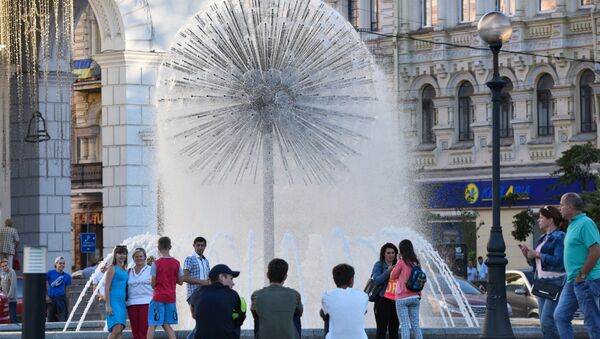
[(520, 246)]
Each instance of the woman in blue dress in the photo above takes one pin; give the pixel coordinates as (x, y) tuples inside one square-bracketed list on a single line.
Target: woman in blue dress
[(115, 292)]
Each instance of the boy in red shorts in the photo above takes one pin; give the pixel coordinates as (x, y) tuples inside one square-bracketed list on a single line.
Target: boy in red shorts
[(166, 272)]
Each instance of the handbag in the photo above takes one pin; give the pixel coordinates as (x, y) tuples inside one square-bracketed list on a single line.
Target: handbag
[(16, 264), (372, 290), (548, 288)]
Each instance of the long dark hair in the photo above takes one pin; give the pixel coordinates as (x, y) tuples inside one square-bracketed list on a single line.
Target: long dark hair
[(407, 252), (553, 213), (384, 249), (119, 249)]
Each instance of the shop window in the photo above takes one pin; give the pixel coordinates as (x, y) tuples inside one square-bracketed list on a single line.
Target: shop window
[(465, 112), (545, 106), (467, 10), (506, 110), (586, 102), (429, 12), (428, 115)]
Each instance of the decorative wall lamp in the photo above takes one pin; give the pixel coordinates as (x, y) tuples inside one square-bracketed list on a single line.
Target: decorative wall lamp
[(36, 131)]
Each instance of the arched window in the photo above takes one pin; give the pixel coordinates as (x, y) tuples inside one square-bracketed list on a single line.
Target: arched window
[(465, 112), (506, 110), (545, 106), (428, 115), (586, 102)]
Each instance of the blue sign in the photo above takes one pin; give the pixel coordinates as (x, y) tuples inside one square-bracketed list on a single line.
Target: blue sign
[(478, 193), (87, 242)]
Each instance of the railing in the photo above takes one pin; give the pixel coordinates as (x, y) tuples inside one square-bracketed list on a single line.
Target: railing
[(86, 175)]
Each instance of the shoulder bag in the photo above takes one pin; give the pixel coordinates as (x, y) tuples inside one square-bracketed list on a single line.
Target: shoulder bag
[(548, 288)]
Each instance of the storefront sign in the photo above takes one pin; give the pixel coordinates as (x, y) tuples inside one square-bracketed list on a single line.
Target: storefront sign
[(87, 242), (92, 218)]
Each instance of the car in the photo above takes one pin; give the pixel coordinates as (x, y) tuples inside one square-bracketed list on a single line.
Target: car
[(518, 293), (475, 297), (4, 316)]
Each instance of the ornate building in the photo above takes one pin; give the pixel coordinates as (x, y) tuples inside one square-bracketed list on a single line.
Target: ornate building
[(549, 104)]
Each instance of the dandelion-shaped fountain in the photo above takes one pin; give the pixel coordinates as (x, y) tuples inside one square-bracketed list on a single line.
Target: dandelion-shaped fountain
[(251, 82)]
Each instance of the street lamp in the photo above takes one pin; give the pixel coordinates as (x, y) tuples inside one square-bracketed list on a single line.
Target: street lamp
[(34, 292), (494, 28)]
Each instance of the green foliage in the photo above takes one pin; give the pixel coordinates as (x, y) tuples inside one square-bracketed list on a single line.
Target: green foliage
[(575, 165), (472, 255), (592, 205), (523, 224)]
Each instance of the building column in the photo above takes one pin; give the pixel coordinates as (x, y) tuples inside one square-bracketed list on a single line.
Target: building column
[(5, 202), (128, 113), (41, 172)]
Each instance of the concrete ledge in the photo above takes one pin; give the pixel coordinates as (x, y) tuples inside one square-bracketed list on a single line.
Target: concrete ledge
[(527, 332)]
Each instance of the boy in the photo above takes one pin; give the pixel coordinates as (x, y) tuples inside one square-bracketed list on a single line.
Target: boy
[(166, 272)]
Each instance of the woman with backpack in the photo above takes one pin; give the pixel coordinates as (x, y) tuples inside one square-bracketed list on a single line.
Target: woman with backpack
[(407, 300), (385, 308)]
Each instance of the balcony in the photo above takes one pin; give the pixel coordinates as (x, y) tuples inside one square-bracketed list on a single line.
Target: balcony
[(86, 175)]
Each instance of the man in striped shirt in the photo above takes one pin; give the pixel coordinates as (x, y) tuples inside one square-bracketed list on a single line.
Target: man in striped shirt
[(196, 268)]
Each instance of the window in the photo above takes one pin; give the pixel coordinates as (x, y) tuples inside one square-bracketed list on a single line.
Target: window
[(584, 3), (465, 112), (428, 115), (545, 106), (429, 13), (506, 110), (586, 102), (374, 14), (353, 12), (506, 6), (467, 10), (547, 5)]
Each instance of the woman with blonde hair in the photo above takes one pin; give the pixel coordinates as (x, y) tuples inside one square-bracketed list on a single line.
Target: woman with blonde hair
[(115, 293), (139, 294)]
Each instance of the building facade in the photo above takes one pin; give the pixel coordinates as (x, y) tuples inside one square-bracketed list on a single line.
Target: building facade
[(550, 103)]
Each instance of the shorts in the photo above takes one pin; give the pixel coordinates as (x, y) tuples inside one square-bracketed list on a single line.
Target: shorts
[(162, 313)]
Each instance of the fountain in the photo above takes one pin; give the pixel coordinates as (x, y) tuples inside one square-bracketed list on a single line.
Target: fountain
[(273, 113)]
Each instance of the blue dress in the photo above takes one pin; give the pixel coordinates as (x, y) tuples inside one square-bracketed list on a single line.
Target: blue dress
[(117, 299)]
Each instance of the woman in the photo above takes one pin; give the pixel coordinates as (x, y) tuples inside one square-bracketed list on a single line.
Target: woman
[(57, 297), (139, 294), (547, 260), (8, 286), (115, 293), (407, 301), (385, 308)]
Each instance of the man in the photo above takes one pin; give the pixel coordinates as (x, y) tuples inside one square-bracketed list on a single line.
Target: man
[(196, 268), (218, 309), (275, 305), (581, 254), (57, 292), (9, 241), (483, 269), (472, 274), (344, 306)]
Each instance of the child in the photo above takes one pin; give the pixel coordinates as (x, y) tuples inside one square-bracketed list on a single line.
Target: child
[(166, 272)]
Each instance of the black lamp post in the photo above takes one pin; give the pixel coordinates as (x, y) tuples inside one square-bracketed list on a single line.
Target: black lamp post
[(494, 28)]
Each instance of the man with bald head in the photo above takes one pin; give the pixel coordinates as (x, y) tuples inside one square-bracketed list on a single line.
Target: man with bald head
[(582, 251)]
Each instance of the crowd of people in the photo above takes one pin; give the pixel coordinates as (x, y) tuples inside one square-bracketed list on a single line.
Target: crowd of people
[(565, 263)]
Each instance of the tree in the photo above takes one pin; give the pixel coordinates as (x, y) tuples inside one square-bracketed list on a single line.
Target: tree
[(523, 224), (575, 165)]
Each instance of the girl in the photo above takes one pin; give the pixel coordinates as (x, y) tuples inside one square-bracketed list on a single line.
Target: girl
[(407, 301)]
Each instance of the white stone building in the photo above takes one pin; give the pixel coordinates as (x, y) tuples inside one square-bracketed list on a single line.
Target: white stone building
[(548, 105)]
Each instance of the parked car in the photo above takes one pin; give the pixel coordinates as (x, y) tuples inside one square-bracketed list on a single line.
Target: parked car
[(4, 316), (518, 293), (475, 297)]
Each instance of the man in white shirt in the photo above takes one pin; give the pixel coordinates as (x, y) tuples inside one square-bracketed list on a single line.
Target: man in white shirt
[(196, 268), (483, 270), (344, 306)]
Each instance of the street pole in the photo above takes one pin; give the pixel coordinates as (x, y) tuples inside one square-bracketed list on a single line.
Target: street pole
[(34, 292), (497, 323)]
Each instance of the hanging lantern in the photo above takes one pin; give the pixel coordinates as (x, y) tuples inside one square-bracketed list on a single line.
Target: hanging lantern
[(36, 132)]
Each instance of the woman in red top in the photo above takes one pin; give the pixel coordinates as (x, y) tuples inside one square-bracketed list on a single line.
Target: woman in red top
[(407, 301)]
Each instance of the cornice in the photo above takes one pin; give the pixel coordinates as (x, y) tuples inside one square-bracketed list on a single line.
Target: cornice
[(122, 58)]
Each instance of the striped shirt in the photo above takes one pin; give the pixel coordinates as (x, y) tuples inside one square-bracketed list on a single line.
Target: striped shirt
[(8, 238), (198, 267)]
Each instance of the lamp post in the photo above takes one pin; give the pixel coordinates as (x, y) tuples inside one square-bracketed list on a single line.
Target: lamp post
[(494, 28), (34, 292)]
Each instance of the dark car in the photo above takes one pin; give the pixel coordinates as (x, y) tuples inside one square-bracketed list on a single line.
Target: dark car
[(4, 316), (476, 299), (518, 293)]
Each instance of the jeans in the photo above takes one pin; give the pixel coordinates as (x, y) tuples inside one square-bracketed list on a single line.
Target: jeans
[(12, 311), (583, 295), (408, 313), (57, 309), (386, 318), (546, 308)]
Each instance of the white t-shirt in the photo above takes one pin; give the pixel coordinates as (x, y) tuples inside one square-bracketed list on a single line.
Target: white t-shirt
[(346, 308), (99, 281), (139, 286), (483, 271)]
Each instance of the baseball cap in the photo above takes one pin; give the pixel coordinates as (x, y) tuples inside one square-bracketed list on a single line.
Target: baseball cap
[(221, 268)]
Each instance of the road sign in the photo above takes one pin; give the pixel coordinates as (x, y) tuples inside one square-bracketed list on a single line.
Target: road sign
[(87, 242)]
